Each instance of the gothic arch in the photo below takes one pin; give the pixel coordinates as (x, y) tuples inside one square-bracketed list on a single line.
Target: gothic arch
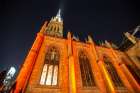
[(85, 69), (50, 70), (112, 72)]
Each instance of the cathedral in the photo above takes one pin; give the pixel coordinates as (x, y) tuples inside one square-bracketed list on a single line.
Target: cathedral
[(56, 64)]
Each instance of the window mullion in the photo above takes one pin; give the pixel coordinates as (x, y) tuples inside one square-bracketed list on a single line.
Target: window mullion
[(43, 75), (49, 77), (52, 74), (47, 73), (85, 73), (90, 73), (55, 75)]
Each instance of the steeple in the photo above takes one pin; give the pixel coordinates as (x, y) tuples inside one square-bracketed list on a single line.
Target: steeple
[(59, 15), (55, 26)]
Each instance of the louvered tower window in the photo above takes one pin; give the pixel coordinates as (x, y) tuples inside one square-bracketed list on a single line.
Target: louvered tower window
[(50, 70), (113, 73), (86, 71)]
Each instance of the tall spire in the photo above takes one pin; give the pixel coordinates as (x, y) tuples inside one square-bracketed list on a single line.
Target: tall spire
[(58, 16), (59, 13), (55, 26)]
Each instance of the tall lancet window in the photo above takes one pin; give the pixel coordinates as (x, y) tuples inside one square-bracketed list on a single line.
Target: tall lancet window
[(112, 72), (86, 71), (50, 70), (135, 71)]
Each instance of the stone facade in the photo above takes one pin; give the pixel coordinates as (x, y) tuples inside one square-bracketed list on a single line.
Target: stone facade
[(70, 75)]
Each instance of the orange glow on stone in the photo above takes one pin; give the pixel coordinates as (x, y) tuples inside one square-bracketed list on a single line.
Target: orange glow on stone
[(72, 75), (110, 84)]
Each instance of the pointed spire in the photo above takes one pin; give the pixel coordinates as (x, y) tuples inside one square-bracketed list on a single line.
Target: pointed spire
[(76, 38), (59, 13), (69, 35), (108, 44), (43, 27), (90, 39), (58, 16)]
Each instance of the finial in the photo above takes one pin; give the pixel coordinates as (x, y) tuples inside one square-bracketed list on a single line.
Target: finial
[(76, 38), (90, 39), (69, 35), (44, 27)]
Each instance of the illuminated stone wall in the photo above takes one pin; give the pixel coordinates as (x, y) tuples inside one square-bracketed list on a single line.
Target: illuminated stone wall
[(69, 79)]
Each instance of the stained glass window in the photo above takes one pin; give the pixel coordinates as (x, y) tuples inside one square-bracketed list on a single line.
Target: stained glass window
[(112, 72), (49, 74), (86, 71), (43, 76)]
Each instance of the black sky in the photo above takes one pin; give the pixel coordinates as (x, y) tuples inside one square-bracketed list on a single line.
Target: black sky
[(20, 20)]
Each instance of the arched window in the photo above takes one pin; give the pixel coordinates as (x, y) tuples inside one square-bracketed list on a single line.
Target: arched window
[(51, 28), (112, 72), (86, 71), (49, 74), (135, 71)]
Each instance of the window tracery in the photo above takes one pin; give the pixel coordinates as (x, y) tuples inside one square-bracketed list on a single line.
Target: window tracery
[(86, 71), (50, 70), (112, 72)]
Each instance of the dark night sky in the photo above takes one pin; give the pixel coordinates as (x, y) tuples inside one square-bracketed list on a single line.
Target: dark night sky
[(20, 20)]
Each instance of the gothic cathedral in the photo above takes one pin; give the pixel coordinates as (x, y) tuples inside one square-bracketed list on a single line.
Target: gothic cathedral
[(65, 65)]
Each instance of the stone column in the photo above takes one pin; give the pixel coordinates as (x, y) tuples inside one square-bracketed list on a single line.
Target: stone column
[(119, 70), (72, 82), (97, 73), (26, 69), (109, 83), (130, 78)]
